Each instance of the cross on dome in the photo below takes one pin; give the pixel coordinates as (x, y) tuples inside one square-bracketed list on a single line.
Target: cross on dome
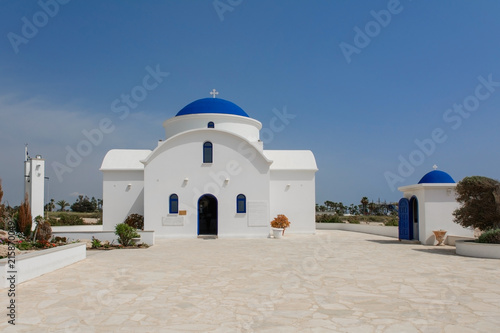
[(214, 93), (435, 167)]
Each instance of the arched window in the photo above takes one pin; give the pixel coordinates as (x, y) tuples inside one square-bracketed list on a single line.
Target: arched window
[(241, 203), (207, 152), (211, 124), (173, 204)]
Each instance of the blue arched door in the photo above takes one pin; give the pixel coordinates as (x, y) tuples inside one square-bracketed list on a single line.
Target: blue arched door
[(404, 219)]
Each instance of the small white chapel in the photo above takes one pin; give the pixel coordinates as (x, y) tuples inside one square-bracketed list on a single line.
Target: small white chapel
[(427, 207), (210, 176)]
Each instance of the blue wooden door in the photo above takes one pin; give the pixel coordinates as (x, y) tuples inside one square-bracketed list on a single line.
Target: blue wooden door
[(404, 219)]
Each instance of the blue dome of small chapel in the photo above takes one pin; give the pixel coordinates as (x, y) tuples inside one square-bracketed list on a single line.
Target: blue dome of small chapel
[(212, 105), (436, 176)]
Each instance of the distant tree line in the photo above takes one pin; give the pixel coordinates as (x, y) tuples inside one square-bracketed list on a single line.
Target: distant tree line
[(83, 204), (364, 208)]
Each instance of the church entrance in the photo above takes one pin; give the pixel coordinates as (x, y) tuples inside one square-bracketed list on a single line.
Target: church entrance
[(207, 215), (414, 217)]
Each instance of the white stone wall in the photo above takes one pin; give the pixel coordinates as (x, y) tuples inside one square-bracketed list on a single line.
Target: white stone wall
[(119, 199), (293, 194), (438, 215), (388, 231)]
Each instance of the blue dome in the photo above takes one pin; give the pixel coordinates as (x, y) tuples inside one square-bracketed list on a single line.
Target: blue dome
[(212, 105), (436, 176)]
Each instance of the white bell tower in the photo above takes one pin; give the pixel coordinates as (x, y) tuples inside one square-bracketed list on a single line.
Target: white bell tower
[(34, 182)]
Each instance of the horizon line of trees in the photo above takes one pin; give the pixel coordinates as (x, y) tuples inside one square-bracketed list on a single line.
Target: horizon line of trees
[(83, 204), (364, 208)]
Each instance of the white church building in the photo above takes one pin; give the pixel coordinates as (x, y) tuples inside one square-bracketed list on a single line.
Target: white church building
[(210, 176)]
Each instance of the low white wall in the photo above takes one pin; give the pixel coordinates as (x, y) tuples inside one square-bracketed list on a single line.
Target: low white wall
[(86, 228), (147, 237), (34, 264), (478, 250), (451, 240), (364, 228)]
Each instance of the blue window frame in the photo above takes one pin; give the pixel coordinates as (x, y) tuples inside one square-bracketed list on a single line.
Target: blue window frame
[(211, 124), (207, 152), (241, 203), (173, 204)]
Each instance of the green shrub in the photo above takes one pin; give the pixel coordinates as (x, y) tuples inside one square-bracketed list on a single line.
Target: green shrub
[(490, 236), (95, 243), (66, 219), (136, 221), (24, 245), (328, 218), (353, 219), (320, 218), (392, 222), (376, 218), (479, 198), (125, 234), (96, 215)]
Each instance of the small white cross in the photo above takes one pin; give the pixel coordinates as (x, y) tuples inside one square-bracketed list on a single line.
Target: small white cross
[(214, 93), (435, 167)]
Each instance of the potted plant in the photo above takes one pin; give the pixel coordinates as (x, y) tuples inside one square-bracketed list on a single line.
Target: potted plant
[(279, 224)]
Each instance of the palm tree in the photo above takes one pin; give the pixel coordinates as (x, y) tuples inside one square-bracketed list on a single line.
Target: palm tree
[(51, 205), (373, 207), (63, 204), (353, 210), (330, 206), (364, 202), (340, 209)]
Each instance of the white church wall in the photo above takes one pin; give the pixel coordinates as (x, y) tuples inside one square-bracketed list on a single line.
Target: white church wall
[(439, 208), (177, 167), (123, 194), (243, 126), (293, 194)]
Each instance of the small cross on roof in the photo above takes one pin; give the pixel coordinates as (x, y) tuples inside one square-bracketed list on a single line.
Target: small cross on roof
[(214, 93)]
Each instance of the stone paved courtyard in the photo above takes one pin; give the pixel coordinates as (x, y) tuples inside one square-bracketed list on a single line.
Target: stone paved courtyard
[(334, 281)]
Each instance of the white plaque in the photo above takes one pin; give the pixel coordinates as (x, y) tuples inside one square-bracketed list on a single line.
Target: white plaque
[(258, 213), (173, 220)]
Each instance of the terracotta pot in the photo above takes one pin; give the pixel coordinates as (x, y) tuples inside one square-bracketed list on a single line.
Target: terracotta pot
[(440, 236)]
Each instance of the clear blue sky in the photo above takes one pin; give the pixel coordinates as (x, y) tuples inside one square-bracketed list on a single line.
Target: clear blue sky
[(360, 100)]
